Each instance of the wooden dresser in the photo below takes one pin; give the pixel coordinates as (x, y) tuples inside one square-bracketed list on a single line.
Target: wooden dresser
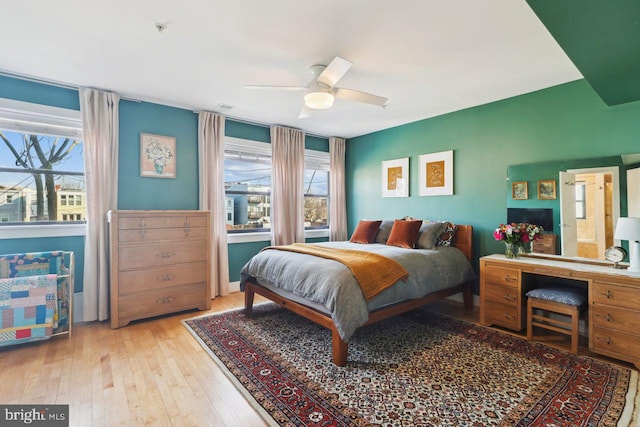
[(613, 323), (159, 263)]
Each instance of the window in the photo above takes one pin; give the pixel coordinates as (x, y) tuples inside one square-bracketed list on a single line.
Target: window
[(41, 164), (248, 186), (581, 209)]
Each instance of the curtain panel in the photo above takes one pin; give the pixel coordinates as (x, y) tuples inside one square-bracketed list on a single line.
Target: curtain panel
[(287, 186), (337, 199), (212, 195), (99, 112)]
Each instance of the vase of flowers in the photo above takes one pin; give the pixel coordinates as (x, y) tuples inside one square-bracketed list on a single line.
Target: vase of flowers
[(159, 154), (518, 238)]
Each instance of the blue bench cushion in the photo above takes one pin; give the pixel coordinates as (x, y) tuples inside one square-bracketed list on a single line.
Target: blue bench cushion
[(563, 295)]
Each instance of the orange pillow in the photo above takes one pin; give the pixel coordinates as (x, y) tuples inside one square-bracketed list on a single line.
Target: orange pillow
[(404, 233), (365, 232)]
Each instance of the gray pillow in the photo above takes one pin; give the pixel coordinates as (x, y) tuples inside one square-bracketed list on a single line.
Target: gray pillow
[(429, 233), (384, 232)]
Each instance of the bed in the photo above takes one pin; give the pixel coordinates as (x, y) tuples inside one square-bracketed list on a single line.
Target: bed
[(326, 292)]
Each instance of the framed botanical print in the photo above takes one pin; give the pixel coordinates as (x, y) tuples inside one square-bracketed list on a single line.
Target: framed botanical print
[(395, 178), (436, 174), (157, 156), (520, 190)]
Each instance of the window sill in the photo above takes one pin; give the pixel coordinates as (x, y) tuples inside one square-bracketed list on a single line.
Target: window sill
[(46, 230), (233, 238)]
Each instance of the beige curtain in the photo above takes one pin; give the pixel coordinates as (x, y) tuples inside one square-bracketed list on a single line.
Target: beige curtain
[(211, 180), (337, 198), (99, 112), (287, 186)]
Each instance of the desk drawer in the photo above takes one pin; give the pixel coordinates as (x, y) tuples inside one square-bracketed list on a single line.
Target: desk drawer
[(155, 234), (506, 315), (619, 319), (620, 296), (501, 275), (176, 221), (507, 295), (618, 343)]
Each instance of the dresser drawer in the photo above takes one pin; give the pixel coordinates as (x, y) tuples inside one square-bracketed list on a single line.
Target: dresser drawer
[(503, 314), (132, 257), (619, 319), (620, 296), (615, 343), (161, 277), (157, 234), (161, 301), (501, 275), (174, 221), (503, 294)]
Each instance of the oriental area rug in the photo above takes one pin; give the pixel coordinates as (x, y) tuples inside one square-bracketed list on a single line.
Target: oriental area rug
[(417, 369)]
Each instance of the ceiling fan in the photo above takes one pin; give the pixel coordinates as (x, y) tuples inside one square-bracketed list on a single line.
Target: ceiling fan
[(321, 90)]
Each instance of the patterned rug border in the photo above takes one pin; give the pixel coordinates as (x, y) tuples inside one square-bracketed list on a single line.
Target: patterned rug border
[(630, 416), (234, 380)]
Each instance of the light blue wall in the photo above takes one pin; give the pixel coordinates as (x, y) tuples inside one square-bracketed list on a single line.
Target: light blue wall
[(560, 123)]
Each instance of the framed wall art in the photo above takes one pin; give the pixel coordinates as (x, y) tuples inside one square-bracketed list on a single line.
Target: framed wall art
[(395, 178), (520, 190), (436, 174), (547, 189), (157, 156)]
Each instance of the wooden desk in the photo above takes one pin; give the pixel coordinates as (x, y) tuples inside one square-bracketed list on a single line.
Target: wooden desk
[(614, 298)]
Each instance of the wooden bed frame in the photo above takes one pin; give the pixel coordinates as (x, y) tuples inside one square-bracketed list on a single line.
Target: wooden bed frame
[(462, 240)]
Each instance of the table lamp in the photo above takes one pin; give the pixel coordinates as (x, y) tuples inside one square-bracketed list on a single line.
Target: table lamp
[(629, 229)]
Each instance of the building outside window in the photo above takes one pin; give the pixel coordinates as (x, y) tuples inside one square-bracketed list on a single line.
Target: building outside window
[(248, 186), (41, 164), (581, 206)]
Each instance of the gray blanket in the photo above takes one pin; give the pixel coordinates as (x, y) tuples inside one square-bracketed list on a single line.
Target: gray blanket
[(332, 285)]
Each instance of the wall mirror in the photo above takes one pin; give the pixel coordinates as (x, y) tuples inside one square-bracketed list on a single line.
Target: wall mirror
[(590, 195)]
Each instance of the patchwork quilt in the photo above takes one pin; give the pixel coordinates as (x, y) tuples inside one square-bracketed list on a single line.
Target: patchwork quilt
[(30, 267), (27, 308)]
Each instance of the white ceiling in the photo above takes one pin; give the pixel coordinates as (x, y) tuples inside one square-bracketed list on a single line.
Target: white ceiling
[(428, 57)]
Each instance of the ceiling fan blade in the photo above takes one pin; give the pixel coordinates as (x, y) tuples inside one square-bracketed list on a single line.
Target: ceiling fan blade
[(274, 87), (356, 95), (334, 71), (305, 112)]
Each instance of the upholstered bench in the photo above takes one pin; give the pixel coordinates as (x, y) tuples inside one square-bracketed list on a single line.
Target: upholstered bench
[(564, 300)]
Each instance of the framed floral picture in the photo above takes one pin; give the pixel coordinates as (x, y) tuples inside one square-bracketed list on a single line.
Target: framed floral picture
[(520, 190), (157, 156), (395, 178), (547, 189), (436, 174)]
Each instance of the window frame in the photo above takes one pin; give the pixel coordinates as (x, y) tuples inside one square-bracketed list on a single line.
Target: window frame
[(264, 148), (26, 117)]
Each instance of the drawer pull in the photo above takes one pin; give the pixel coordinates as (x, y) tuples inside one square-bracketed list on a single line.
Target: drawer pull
[(165, 300), (508, 278), (167, 277), (607, 294), (508, 316), (607, 317), (509, 297), (187, 231), (141, 222), (141, 233), (186, 223), (607, 339), (165, 254)]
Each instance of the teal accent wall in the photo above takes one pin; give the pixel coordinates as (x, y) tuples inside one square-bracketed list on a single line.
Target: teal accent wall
[(560, 123), (26, 91)]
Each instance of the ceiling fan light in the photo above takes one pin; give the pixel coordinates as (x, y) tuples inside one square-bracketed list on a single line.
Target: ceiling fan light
[(318, 100)]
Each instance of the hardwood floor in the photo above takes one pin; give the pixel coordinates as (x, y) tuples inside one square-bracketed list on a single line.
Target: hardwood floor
[(151, 372)]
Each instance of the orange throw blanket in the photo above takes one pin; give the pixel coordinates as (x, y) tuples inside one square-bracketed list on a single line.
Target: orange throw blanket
[(374, 272)]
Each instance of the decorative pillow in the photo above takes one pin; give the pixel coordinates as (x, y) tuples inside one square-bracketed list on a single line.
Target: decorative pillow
[(365, 232), (384, 231), (446, 238), (404, 234), (429, 233)]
